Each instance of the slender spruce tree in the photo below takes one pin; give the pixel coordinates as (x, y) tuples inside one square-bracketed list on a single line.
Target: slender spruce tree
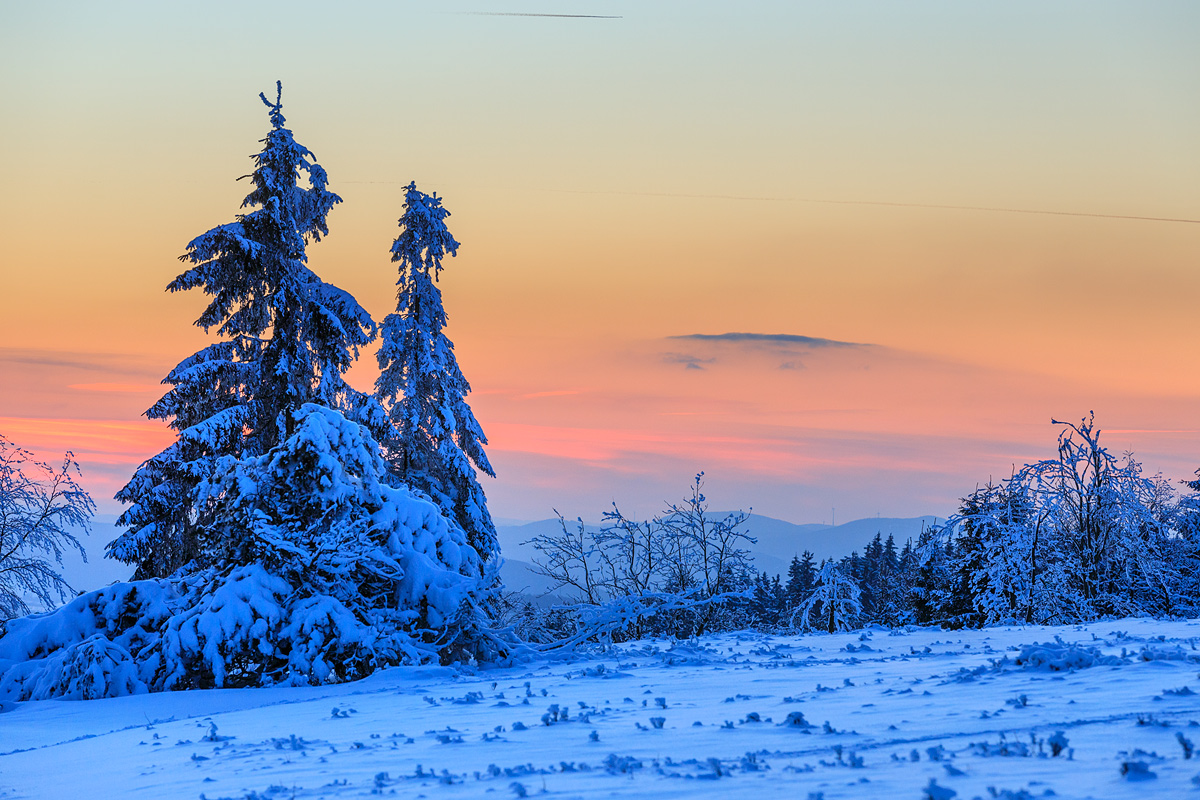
[(286, 338), (436, 443)]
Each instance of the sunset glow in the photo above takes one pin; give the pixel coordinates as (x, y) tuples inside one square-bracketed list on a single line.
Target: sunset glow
[(859, 186)]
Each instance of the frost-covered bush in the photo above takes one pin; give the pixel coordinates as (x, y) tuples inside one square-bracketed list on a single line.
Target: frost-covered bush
[(683, 572), (1067, 539), (833, 605), (318, 511), (39, 508), (86, 670)]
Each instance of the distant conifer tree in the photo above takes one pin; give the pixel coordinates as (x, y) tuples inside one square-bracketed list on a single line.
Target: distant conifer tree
[(801, 573), (762, 605)]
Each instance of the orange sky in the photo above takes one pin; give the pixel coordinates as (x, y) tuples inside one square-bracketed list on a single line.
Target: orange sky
[(619, 182)]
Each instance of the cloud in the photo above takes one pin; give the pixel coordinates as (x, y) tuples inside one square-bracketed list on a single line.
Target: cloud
[(688, 361), (122, 363), (784, 339), (552, 393), (116, 387), (43, 358), (789, 348), (113, 441)]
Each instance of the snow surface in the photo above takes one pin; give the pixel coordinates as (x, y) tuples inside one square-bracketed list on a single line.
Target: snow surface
[(867, 714)]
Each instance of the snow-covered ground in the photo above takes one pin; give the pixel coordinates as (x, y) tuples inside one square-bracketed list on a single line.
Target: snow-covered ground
[(882, 715)]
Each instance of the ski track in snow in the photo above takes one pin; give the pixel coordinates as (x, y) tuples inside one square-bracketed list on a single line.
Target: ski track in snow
[(903, 707)]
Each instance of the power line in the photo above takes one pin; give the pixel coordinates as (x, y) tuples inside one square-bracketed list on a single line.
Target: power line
[(886, 203)]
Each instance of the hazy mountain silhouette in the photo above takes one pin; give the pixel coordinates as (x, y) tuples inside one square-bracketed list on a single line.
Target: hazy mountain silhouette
[(778, 541)]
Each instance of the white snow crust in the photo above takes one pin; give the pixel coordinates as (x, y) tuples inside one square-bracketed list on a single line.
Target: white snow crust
[(913, 713)]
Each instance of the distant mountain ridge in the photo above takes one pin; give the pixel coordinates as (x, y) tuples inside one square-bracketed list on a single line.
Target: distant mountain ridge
[(778, 541)]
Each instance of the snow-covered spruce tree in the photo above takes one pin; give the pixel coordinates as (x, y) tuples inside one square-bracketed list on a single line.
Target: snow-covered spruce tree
[(344, 572), (834, 604), (932, 594), (768, 603), (40, 510), (287, 337), (997, 555), (891, 608), (1183, 552), (437, 444)]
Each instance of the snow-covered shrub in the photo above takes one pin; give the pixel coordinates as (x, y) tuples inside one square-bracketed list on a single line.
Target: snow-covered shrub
[(86, 670), (935, 792), (1137, 771), (795, 719), (228, 630), (321, 572), (127, 613), (345, 571), (104, 643)]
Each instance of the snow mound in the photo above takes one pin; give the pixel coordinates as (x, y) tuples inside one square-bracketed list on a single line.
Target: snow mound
[(1060, 657), (1156, 652)]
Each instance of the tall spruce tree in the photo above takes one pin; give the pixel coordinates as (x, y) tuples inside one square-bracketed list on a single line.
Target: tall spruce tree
[(436, 444), (287, 337)]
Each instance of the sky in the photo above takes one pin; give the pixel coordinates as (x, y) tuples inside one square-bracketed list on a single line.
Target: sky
[(851, 256)]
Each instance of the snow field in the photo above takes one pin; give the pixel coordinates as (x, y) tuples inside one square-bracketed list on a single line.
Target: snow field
[(881, 714)]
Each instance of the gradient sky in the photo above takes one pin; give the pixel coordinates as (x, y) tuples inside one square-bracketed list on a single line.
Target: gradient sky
[(620, 185)]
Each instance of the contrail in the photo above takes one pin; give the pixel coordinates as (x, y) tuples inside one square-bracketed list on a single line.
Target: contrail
[(997, 209), (886, 203), (520, 14)]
